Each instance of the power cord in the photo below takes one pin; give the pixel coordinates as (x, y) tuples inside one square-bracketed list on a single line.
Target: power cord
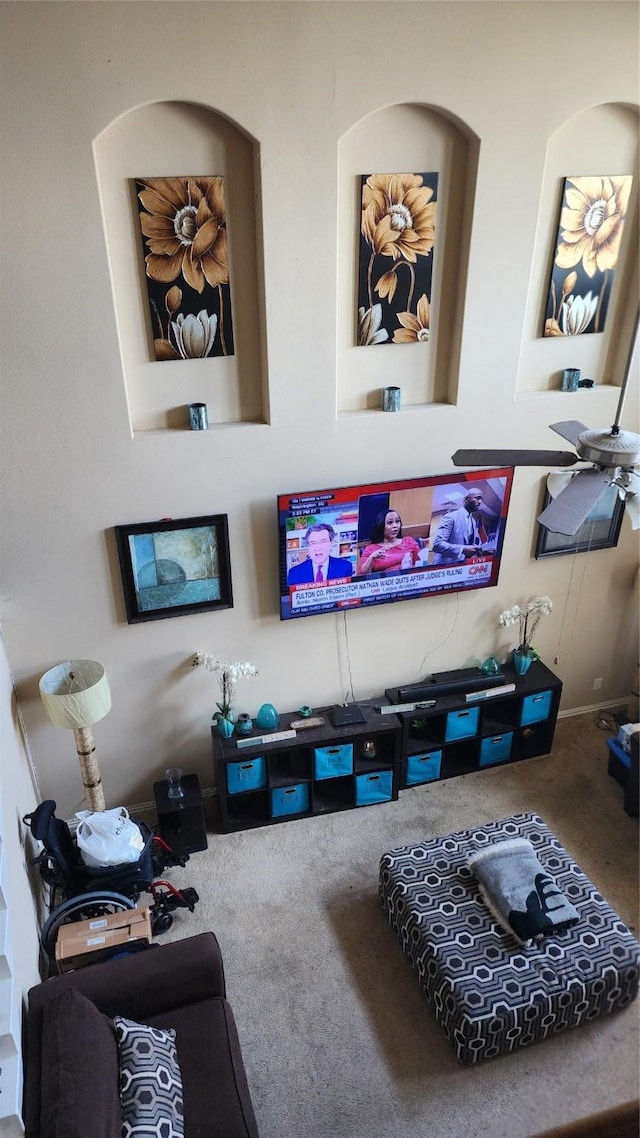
[(447, 637), (348, 655)]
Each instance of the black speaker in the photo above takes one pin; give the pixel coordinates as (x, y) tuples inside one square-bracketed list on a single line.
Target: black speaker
[(445, 683)]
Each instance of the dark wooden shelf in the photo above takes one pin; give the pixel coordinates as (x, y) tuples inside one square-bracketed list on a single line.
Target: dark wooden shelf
[(504, 729), (499, 716), (290, 763)]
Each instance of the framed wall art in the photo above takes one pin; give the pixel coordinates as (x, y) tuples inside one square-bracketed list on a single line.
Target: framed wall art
[(397, 236), (592, 217), (174, 568), (184, 237), (599, 530)]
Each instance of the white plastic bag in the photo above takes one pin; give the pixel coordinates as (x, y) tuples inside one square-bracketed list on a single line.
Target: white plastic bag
[(108, 837)]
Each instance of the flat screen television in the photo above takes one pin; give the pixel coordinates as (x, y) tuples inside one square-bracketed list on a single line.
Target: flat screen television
[(450, 539)]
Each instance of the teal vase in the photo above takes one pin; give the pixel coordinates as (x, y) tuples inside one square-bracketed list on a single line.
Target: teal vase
[(522, 661), (244, 724), (226, 727), (267, 718)]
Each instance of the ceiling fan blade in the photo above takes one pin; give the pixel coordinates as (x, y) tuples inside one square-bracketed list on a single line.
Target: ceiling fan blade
[(566, 513), (514, 458), (558, 480), (570, 430)]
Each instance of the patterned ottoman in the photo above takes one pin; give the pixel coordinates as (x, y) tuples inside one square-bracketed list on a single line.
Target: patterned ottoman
[(488, 993)]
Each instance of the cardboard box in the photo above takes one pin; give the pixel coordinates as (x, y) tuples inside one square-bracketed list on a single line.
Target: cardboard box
[(87, 942)]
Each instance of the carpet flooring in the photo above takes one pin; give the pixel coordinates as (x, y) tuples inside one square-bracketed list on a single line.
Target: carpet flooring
[(337, 1038)]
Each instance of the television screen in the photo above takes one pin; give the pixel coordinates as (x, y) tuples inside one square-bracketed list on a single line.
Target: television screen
[(357, 546)]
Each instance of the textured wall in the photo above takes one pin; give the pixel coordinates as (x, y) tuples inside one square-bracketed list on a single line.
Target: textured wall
[(297, 78)]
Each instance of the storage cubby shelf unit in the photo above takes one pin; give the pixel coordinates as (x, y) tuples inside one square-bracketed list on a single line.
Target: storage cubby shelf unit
[(324, 769), (457, 737), (321, 770)]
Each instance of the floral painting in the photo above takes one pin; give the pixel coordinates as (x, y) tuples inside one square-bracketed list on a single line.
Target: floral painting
[(184, 236), (592, 220), (397, 235)]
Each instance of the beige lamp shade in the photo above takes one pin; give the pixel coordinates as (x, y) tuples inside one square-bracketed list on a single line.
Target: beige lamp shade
[(76, 694)]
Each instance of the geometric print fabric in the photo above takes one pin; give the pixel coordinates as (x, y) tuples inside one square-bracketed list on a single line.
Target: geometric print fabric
[(150, 1081), (489, 994)]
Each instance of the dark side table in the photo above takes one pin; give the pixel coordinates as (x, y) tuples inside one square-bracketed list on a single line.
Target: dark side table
[(181, 820)]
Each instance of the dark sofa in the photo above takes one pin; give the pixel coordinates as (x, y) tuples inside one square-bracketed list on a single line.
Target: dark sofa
[(71, 1056)]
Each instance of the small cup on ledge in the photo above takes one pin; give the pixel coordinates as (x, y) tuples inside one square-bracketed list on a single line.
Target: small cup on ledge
[(570, 378), (391, 398), (198, 420)]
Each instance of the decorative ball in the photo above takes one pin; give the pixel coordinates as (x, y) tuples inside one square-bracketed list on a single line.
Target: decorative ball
[(267, 718)]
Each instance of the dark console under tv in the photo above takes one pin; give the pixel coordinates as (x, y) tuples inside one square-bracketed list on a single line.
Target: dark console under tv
[(323, 768), (445, 683)]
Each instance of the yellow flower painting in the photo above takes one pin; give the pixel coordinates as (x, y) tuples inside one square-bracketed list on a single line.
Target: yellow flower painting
[(592, 218), (184, 233), (397, 237)]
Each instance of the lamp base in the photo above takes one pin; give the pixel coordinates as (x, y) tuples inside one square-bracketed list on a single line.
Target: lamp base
[(90, 768)]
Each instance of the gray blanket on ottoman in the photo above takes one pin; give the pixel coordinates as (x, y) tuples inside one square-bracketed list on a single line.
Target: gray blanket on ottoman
[(518, 892)]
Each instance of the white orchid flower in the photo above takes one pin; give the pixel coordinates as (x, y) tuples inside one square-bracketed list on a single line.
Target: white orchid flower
[(229, 674), (528, 618)]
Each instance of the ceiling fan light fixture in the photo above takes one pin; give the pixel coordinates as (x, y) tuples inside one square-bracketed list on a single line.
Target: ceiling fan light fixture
[(608, 449)]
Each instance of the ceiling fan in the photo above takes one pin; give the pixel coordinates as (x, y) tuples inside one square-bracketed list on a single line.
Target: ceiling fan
[(612, 453)]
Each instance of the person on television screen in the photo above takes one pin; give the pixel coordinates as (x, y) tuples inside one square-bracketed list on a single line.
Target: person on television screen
[(462, 533), (319, 565), (388, 551)]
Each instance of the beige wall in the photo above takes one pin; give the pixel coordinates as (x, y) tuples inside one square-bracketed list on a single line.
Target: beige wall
[(533, 90), (19, 943)]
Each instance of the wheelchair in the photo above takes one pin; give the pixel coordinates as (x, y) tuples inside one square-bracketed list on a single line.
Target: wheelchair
[(78, 891)]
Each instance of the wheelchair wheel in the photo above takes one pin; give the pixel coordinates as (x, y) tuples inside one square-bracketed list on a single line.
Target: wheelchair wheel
[(161, 923), (84, 906)]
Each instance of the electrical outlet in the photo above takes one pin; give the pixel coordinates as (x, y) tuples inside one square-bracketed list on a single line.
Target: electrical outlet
[(597, 683)]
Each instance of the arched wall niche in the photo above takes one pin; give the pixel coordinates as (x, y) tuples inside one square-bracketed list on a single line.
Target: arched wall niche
[(406, 138), (177, 139), (600, 140)]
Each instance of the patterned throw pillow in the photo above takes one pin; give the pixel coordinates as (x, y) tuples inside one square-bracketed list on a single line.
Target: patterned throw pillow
[(150, 1081)]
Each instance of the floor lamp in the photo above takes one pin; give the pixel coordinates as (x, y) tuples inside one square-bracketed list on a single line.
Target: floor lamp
[(76, 695)]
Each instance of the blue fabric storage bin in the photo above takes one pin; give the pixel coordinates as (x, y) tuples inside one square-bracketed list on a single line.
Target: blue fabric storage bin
[(248, 775), (616, 748), (373, 787), (423, 768), (331, 761), (495, 749), (290, 800), (462, 724), (535, 708)]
